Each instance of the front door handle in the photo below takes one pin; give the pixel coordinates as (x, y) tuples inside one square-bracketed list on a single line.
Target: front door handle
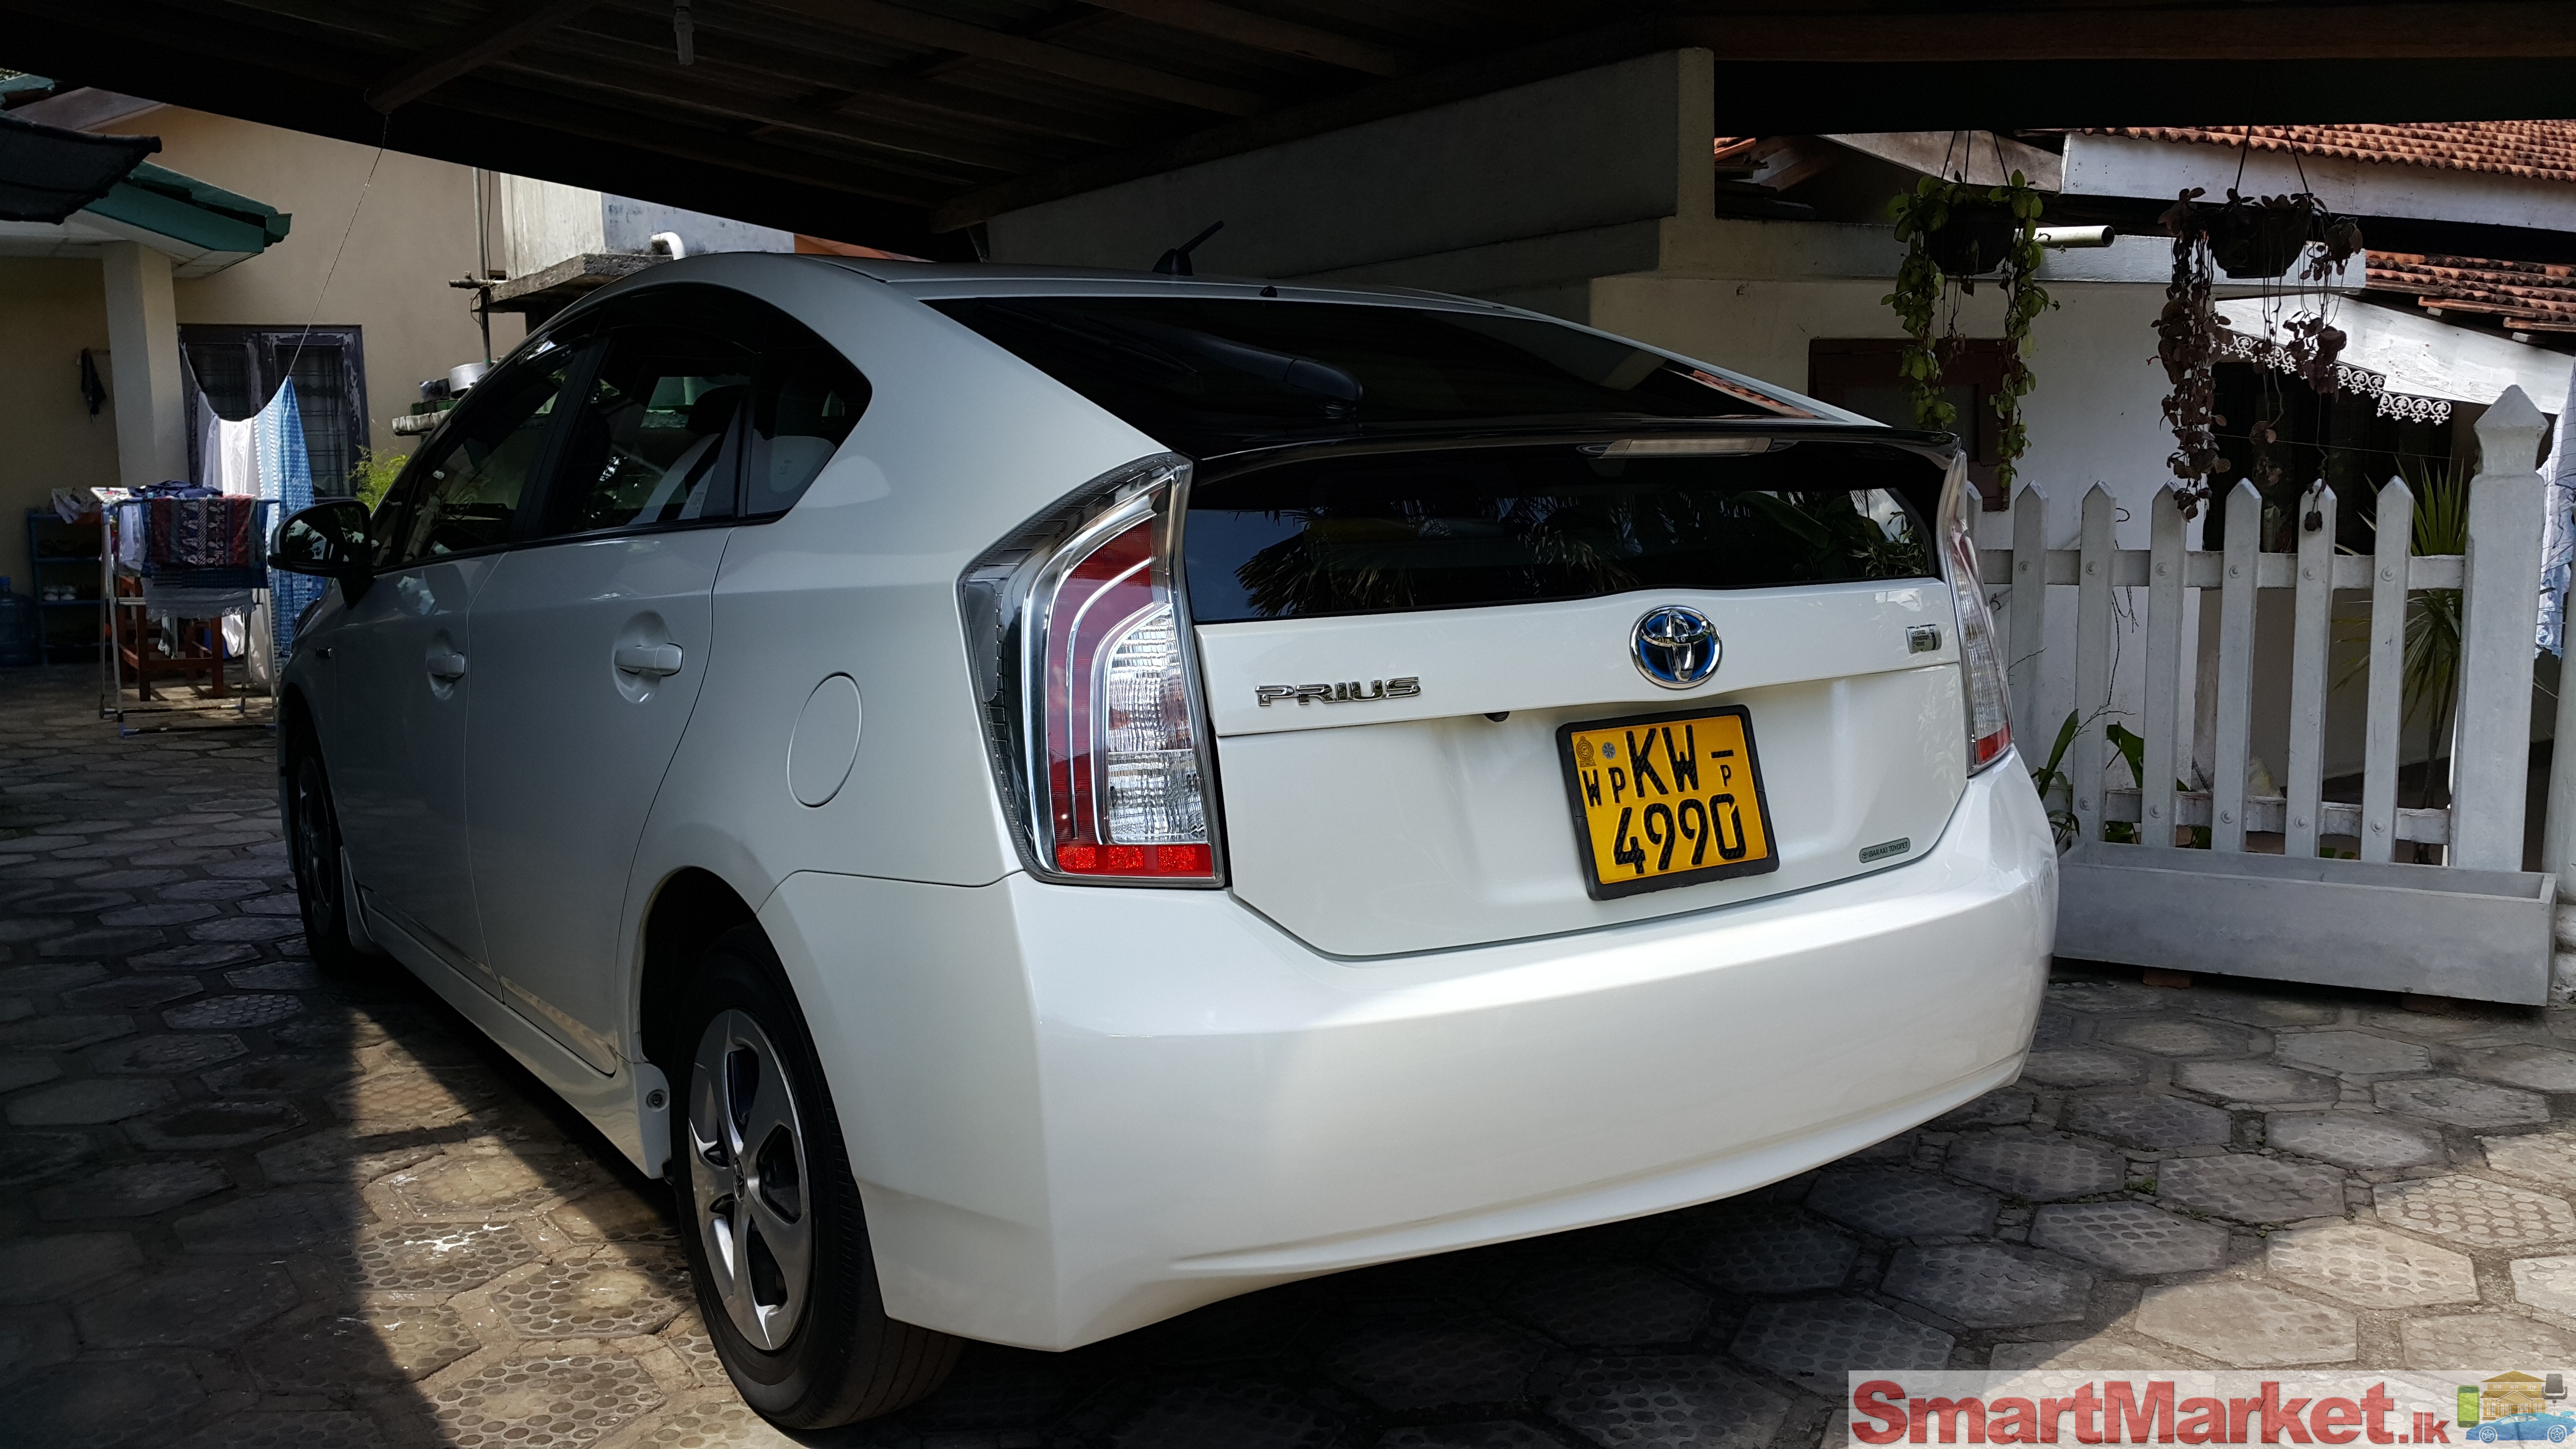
[(446, 665), (652, 660)]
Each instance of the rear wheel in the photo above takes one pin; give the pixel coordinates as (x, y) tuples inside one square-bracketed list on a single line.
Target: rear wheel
[(777, 1239), (313, 849)]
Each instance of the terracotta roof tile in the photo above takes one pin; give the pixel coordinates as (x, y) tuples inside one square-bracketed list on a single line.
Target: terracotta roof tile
[(2541, 150), (2525, 296)]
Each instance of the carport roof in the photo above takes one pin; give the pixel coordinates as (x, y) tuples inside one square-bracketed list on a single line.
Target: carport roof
[(896, 124)]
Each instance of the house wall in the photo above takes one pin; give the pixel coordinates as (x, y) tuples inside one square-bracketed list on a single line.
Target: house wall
[(413, 233), (49, 310)]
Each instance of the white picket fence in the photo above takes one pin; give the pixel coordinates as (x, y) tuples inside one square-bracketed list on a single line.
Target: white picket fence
[(2477, 926)]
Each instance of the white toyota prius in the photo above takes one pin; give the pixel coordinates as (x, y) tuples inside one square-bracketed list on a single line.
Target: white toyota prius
[(1044, 799)]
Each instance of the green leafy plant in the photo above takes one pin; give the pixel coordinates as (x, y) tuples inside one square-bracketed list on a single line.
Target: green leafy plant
[(1923, 302), (2051, 779), (373, 475), (2429, 666)]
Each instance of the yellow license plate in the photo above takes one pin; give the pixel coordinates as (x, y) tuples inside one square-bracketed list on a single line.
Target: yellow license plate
[(1666, 800)]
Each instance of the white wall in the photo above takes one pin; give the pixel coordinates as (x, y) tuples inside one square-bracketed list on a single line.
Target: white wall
[(2127, 166), (540, 223)]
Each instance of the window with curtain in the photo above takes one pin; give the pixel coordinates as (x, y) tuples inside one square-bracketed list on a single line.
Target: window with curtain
[(238, 370)]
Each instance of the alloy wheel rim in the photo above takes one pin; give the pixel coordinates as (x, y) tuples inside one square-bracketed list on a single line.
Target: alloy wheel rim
[(313, 848), (747, 1180)]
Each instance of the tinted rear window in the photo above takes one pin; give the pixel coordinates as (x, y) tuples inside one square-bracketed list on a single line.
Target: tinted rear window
[(1443, 530), (1207, 373)]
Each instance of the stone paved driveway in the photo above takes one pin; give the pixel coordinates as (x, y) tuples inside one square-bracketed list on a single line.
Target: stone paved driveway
[(244, 1203)]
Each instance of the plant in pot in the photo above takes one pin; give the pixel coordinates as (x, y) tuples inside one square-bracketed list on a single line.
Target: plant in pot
[(1953, 233)]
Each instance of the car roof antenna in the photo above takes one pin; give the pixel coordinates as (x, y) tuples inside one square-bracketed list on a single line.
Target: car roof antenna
[(1176, 262)]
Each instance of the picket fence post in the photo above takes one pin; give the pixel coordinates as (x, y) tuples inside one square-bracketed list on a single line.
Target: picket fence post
[(2499, 603), (2027, 627), (2384, 717), (2311, 641), (2165, 540), (2094, 563), (2235, 665)]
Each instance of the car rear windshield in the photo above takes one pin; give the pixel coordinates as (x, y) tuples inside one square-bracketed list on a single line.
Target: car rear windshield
[(1204, 374), (1383, 532)]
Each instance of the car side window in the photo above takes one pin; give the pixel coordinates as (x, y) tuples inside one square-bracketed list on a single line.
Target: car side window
[(658, 439), (468, 493), (810, 398)]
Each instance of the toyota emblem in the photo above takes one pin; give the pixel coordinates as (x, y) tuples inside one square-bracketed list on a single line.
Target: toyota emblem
[(1676, 647)]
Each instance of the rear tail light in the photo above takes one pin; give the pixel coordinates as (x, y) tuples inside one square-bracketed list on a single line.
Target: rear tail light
[(1080, 645), (1981, 664)]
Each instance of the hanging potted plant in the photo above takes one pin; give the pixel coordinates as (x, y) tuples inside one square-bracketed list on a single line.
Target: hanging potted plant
[(2252, 239), (1953, 233)]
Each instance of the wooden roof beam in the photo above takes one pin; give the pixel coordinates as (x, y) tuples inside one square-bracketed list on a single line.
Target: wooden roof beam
[(932, 32), (499, 33), (1261, 32)]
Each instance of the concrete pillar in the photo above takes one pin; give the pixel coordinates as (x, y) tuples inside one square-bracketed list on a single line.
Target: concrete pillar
[(144, 378)]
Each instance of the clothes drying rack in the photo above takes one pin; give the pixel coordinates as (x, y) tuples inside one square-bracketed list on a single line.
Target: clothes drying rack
[(136, 594)]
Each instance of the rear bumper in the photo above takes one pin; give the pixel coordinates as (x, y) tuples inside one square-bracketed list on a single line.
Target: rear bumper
[(1076, 1111)]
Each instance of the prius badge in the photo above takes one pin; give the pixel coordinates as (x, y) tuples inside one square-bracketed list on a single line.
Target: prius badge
[(1676, 647), (1351, 692)]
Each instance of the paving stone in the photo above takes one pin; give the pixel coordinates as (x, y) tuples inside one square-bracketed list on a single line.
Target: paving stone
[(1664, 1400), (2542, 1069), (166, 1055), (2475, 1211), (2548, 1284), (687, 1339), (30, 1341), (207, 890), (2481, 1338), (273, 1222), (136, 1190), (323, 1429), (220, 1013), (131, 993), (320, 1355), (404, 1096), (422, 1258), (2460, 1102), (16, 1008), (87, 1103), (2130, 1238), (1250, 1414), (614, 1297), (2247, 1325), (1757, 1247), (51, 978), (2182, 1037), (277, 976), (62, 1033), (2082, 1067), (284, 903), (1815, 1341), (2251, 1189), (2156, 1123), (352, 1160), (617, 1215), (2256, 1083), (97, 1404), (2364, 1141), (16, 1072), (202, 1307), (476, 1187), (205, 1126), (2371, 1267), (160, 913), (2000, 1108), (34, 1269), (2542, 1157), (34, 928), (2351, 1053), (2076, 994), (71, 902), (2092, 1355), (544, 1402), (1413, 1364), (2035, 1168), (727, 1424), (196, 955), (292, 1076), (108, 942), (1982, 1285), (33, 1156), (246, 928), (1894, 1204), (1600, 1305)]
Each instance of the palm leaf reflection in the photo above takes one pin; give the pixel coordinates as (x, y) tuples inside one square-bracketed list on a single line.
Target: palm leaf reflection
[(1455, 549)]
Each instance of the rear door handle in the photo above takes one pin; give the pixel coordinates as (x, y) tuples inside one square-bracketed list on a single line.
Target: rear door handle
[(656, 660), (446, 664)]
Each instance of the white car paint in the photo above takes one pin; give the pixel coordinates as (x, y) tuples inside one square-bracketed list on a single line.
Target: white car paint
[(1077, 1109)]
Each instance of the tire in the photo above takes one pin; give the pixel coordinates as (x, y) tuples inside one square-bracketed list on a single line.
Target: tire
[(313, 849), (764, 1188)]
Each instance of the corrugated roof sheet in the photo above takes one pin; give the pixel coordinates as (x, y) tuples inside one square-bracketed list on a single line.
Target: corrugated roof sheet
[(2540, 150)]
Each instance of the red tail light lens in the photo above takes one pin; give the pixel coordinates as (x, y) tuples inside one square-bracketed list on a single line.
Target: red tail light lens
[(1091, 695), (1981, 663)]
